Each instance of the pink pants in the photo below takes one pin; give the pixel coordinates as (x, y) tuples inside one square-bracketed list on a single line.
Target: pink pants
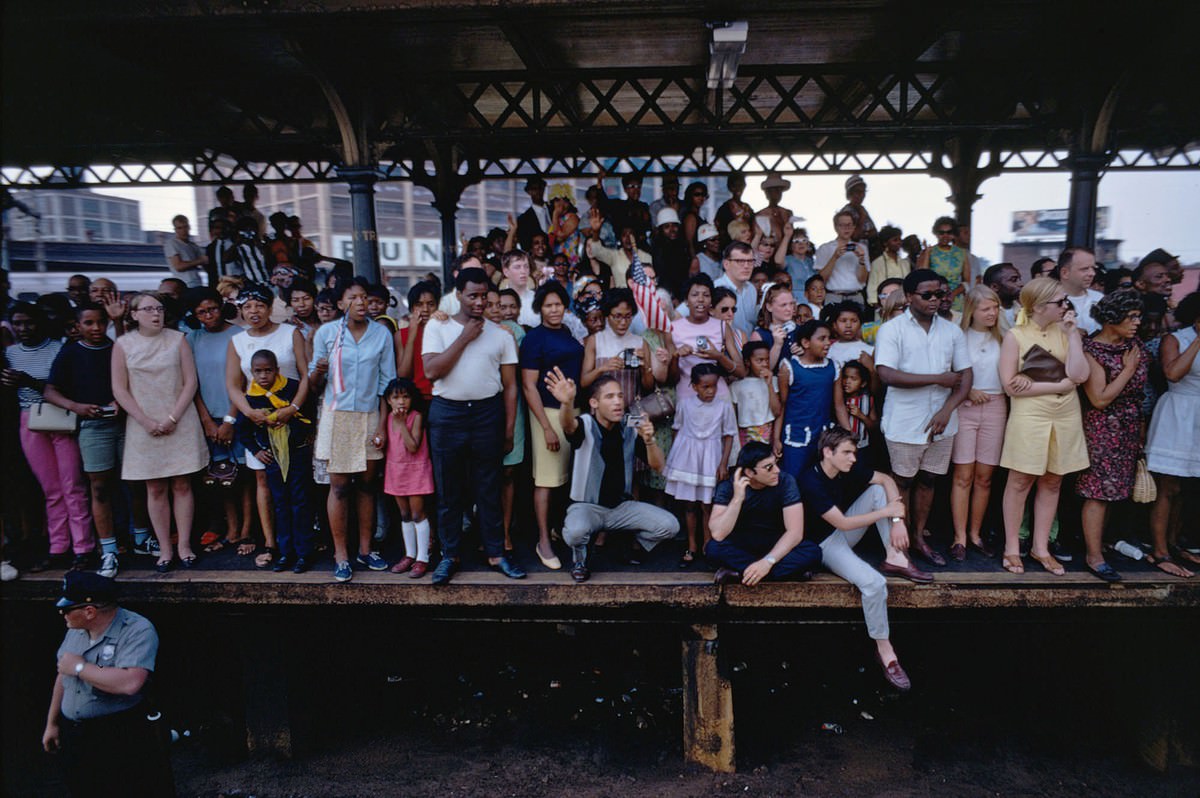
[(54, 460)]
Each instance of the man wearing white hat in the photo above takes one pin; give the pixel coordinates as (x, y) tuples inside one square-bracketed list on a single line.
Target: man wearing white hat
[(773, 187), (865, 231), (708, 259)]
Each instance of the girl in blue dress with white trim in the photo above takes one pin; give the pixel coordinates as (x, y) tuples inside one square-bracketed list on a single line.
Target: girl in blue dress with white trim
[(806, 380)]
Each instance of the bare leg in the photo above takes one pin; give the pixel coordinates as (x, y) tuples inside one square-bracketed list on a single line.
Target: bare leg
[(158, 507), (266, 511), (102, 483), (508, 491), (960, 500), (1094, 512), (981, 494), (541, 512), (1045, 505), (706, 511), (247, 490), (341, 486), (185, 511), (1015, 494), (689, 516), (366, 506), (1160, 518), (922, 500)]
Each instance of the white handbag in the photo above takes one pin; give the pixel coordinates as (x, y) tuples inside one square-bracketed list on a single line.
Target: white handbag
[(45, 417)]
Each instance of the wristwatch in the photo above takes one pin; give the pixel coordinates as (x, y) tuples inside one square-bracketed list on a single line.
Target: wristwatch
[(79, 667), (896, 519), (770, 560), (229, 420)]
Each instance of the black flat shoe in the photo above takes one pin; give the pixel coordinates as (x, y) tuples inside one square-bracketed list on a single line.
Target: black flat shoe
[(444, 572), (507, 567), (164, 566), (301, 565), (280, 564)]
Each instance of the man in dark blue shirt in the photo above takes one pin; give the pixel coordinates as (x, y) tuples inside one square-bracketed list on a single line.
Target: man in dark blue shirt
[(749, 511), (843, 498)]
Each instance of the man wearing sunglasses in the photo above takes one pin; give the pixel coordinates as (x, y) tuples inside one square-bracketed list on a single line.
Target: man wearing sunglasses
[(98, 713), (749, 510), (923, 360)]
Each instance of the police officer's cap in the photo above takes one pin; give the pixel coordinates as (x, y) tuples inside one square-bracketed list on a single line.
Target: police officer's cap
[(85, 587)]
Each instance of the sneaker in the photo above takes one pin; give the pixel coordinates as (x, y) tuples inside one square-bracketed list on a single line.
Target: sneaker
[(148, 546), (372, 561), (342, 572), (108, 565), (8, 571), (1059, 552)]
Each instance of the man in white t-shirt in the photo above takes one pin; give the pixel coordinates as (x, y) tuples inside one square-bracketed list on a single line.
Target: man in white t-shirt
[(842, 263), (472, 364), (923, 360), (1076, 268)]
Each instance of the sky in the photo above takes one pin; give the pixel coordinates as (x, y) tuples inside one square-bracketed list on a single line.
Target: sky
[(1147, 209)]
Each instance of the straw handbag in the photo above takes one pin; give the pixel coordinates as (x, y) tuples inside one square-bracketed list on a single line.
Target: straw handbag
[(1144, 489)]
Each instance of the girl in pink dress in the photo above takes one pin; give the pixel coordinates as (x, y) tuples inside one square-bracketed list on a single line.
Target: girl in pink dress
[(705, 427), (408, 473)]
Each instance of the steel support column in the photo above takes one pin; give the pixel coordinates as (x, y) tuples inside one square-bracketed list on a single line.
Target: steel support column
[(362, 211), (445, 199), (1085, 194)]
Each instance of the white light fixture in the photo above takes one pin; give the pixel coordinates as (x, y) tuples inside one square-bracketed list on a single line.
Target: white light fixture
[(725, 52)]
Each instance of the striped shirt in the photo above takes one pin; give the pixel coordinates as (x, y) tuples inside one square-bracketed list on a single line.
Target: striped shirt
[(36, 362)]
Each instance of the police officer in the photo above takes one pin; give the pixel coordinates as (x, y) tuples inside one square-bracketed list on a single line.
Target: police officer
[(98, 712)]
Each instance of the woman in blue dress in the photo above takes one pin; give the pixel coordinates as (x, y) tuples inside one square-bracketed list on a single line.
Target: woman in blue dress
[(806, 380)]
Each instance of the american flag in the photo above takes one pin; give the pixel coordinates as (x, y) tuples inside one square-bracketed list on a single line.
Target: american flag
[(646, 296)]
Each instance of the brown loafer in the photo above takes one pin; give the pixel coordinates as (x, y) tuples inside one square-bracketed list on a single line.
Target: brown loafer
[(726, 576), (404, 564), (419, 567), (958, 552), (909, 572), (921, 548), (894, 674)]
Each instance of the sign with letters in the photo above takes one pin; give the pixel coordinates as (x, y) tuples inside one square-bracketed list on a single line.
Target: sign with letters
[(396, 251)]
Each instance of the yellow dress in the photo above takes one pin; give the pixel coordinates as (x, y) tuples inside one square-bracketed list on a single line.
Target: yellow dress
[(1044, 433)]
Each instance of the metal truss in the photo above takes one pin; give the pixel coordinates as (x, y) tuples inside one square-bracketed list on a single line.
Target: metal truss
[(215, 169)]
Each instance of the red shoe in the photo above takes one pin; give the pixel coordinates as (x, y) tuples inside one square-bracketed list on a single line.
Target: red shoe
[(403, 565), (419, 567)]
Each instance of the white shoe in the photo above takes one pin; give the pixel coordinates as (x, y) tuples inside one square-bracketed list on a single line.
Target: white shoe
[(8, 572), (108, 565)]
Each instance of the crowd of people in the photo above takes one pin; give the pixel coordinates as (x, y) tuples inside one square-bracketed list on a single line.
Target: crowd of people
[(632, 368)]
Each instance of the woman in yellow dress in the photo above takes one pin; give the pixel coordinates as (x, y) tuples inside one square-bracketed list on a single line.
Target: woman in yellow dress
[(1041, 364)]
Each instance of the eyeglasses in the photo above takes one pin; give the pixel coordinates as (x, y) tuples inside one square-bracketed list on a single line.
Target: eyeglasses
[(207, 311), (944, 232), (1060, 302), (149, 309), (928, 295), (621, 316)]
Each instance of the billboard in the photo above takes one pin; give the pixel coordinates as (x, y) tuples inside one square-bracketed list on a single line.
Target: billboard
[(1051, 223)]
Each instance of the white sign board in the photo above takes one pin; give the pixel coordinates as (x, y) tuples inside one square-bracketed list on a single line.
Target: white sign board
[(395, 251)]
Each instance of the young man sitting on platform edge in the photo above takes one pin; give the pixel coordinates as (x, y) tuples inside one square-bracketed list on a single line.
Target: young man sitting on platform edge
[(602, 475), (749, 511), (843, 497)]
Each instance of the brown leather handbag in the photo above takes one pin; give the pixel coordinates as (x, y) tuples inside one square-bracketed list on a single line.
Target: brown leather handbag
[(1041, 366), (655, 406)]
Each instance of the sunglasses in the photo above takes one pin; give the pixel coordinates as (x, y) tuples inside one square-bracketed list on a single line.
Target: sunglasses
[(64, 611), (944, 232), (768, 467), (928, 295), (1060, 302)]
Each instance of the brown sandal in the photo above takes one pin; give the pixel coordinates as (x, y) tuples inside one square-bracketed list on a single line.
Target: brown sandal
[(1050, 564), (1012, 563), (1179, 570)]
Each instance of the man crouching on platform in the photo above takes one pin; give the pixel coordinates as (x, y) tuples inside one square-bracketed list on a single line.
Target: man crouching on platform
[(757, 523), (602, 475), (98, 717)]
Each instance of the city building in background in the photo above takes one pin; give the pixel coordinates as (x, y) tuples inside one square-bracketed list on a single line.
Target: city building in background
[(76, 215), (409, 228), (1043, 234)]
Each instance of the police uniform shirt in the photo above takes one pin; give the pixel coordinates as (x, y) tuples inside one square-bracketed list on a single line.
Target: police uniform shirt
[(129, 642)]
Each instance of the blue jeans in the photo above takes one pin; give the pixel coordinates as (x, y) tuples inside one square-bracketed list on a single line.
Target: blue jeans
[(805, 557), (466, 444)]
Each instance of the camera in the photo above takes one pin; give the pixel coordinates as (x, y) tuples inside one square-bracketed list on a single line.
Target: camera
[(630, 359), (702, 342)]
